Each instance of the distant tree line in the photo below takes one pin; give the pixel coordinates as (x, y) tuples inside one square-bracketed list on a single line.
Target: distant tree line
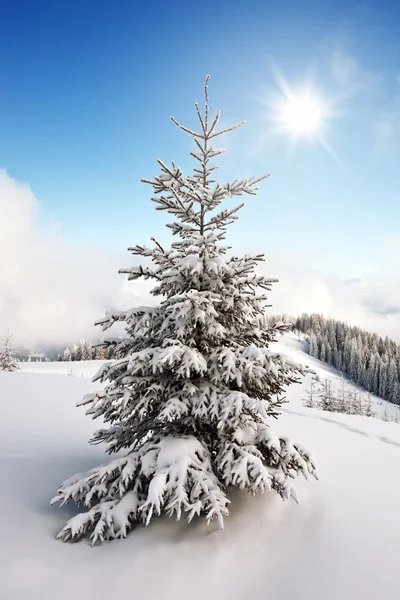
[(369, 360), (85, 351)]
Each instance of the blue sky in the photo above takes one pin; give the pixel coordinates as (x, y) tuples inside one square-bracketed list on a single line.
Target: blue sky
[(87, 89)]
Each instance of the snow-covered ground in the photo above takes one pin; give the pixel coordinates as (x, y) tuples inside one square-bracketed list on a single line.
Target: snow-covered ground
[(340, 543), (83, 368)]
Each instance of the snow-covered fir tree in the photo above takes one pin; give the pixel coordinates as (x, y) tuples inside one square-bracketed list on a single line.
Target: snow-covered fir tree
[(342, 403), (86, 350), (76, 352), (327, 400), (66, 355), (8, 361), (194, 386), (368, 410), (311, 400)]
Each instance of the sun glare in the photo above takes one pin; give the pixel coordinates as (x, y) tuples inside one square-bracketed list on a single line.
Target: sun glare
[(299, 113), (302, 115)]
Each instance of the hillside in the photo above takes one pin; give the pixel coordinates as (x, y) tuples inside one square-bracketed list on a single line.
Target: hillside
[(340, 542)]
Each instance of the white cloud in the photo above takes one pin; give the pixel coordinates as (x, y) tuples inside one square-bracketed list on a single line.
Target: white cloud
[(371, 301), (380, 104), (348, 73), (387, 128), (344, 69), (51, 292)]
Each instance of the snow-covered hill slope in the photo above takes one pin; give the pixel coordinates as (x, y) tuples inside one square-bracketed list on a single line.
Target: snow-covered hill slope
[(340, 543), (295, 348)]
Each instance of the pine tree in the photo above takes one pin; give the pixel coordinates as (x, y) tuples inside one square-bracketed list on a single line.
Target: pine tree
[(339, 360), (343, 398), (395, 397), (8, 361), (360, 366), (327, 401), (358, 407), (313, 348), (368, 375), (355, 403), (353, 366), (383, 379), (328, 352), (375, 377), (66, 355), (391, 380), (311, 400), (75, 352), (193, 388), (368, 410), (85, 350)]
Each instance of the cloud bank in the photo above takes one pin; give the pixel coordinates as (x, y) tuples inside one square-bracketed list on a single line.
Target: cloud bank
[(52, 292), (371, 301), (353, 79)]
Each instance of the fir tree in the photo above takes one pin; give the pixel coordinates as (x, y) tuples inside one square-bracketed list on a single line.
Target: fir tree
[(193, 388), (392, 381), (327, 401), (85, 350), (375, 376), (313, 347), (368, 410), (328, 352), (75, 353), (343, 398), (368, 374), (8, 361), (311, 400), (358, 407), (66, 355), (395, 397), (383, 379)]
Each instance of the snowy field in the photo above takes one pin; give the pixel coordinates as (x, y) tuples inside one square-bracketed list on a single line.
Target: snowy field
[(340, 543)]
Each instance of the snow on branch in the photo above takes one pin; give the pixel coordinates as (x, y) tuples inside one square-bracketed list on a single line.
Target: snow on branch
[(169, 473)]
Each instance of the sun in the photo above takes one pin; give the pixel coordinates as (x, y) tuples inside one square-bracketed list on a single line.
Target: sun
[(299, 113), (302, 115)]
